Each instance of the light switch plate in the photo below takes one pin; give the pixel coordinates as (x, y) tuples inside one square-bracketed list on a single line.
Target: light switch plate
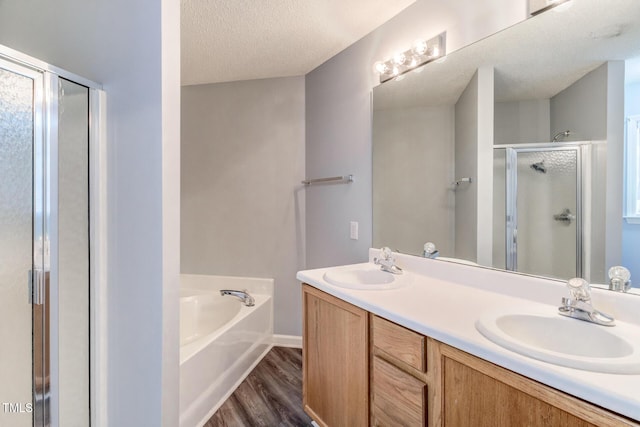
[(353, 230)]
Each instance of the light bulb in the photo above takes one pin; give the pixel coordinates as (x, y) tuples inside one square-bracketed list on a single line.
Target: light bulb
[(399, 58), (435, 51), (419, 47), (395, 71), (413, 62), (381, 67)]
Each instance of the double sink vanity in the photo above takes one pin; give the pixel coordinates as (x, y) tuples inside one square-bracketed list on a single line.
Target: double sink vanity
[(446, 344)]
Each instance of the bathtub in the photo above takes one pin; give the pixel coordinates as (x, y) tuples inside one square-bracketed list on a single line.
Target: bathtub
[(221, 340)]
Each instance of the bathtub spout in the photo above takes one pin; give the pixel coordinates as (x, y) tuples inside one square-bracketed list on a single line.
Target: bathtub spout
[(243, 295)]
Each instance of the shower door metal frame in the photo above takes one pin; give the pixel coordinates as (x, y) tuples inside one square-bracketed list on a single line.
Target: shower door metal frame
[(511, 200), (45, 296)]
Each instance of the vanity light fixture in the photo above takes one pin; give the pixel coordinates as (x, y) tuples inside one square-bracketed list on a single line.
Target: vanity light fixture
[(421, 52)]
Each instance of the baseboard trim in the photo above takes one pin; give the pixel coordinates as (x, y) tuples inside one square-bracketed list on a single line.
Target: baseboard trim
[(292, 341)]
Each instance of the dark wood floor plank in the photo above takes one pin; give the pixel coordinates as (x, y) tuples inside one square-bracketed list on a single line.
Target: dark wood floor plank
[(271, 396)]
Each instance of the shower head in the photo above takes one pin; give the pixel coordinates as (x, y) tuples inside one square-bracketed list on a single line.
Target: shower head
[(564, 134), (539, 167)]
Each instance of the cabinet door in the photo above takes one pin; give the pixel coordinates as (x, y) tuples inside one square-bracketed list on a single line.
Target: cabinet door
[(477, 393), (335, 360)]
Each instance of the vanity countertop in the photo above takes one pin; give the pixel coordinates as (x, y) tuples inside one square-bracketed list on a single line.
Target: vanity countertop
[(443, 300)]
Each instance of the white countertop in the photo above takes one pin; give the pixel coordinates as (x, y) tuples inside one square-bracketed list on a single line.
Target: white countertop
[(446, 310)]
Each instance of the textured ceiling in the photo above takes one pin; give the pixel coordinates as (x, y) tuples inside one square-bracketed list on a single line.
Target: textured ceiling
[(228, 40), (534, 59)]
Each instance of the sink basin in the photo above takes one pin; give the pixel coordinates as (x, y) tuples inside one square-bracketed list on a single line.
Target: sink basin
[(544, 335), (364, 276)]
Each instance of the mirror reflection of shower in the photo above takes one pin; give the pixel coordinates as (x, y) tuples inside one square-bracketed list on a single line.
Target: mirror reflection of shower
[(564, 134), (539, 191)]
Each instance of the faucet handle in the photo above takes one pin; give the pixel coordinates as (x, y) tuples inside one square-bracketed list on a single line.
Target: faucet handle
[(429, 250), (619, 278), (579, 289), (386, 253)]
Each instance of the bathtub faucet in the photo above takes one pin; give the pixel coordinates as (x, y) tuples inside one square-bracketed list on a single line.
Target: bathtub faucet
[(244, 296)]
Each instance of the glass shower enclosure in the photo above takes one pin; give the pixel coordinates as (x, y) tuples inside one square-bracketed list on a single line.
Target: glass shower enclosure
[(538, 209), (44, 246)]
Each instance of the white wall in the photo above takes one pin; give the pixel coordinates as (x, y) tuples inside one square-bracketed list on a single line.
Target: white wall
[(242, 198), (338, 116), (413, 164), (132, 48)]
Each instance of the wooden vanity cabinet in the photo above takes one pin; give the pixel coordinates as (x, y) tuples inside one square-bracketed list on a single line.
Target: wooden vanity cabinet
[(360, 369), (335, 354)]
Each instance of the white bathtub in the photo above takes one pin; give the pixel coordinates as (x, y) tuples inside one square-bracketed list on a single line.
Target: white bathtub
[(221, 340)]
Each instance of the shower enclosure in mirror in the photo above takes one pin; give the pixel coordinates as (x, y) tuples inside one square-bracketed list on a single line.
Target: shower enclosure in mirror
[(45, 282), (540, 194), (549, 96)]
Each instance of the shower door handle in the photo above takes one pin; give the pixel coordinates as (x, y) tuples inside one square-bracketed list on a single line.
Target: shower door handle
[(565, 216), (38, 280)]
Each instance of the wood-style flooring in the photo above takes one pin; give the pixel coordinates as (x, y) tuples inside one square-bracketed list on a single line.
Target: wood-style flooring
[(271, 396)]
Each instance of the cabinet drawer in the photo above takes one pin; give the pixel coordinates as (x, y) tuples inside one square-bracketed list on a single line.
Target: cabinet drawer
[(398, 399), (401, 343)]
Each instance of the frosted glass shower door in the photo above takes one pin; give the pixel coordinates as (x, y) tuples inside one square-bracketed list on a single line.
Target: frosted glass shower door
[(70, 273), (544, 211), (20, 233), (45, 287)]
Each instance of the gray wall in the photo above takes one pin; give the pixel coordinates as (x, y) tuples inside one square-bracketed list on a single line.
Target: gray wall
[(592, 108), (466, 165), (413, 171), (521, 122), (486, 104), (132, 48), (615, 163), (474, 159), (582, 107), (338, 116), (242, 199), (631, 232)]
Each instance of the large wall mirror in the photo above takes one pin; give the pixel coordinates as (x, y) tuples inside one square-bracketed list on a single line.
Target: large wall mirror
[(518, 152)]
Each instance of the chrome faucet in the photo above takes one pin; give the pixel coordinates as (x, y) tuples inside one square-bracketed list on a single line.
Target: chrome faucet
[(244, 296), (430, 251), (388, 262), (619, 279), (579, 305)]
